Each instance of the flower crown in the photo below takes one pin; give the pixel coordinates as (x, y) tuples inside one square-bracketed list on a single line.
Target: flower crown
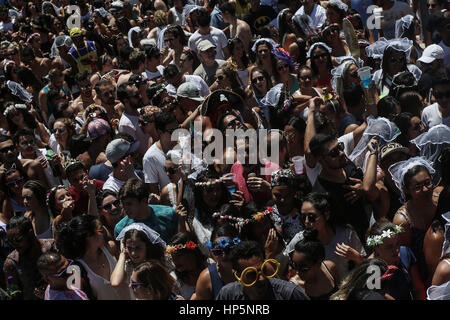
[(378, 239), (71, 162), (52, 190), (328, 27), (352, 15), (224, 243), (191, 245), (241, 221)]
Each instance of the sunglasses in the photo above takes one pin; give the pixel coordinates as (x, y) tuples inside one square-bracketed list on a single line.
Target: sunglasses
[(311, 217), (320, 55), (299, 268), (7, 149), (336, 151), (60, 130), (441, 95), (427, 184), (63, 272), (108, 206), (28, 143), (263, 51), (282, 67), (16, 182), (305, 78), (258, 79), (134, 285), (220, 77)]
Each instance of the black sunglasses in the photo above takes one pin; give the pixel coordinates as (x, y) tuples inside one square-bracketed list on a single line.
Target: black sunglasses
[(320, 55), (282, 67), (258, 79), (16, 182), (220, 77), (335, 151), (311, 217), (306, 77), (299, 267), (108, 205)]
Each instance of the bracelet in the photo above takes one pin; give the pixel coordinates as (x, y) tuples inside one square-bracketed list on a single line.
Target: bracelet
[(374, 153)]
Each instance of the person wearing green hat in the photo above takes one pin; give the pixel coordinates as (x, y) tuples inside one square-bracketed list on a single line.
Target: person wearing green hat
[(83, 52)]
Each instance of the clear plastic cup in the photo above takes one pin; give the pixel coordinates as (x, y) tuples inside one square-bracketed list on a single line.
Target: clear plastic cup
[(365, 76), (298, 164)]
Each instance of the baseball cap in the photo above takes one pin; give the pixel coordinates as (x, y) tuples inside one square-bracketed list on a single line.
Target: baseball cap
[(189, 90), (431, 53), (392, 147), (98, 128), (205, 45), (118, 149), (75, 32)]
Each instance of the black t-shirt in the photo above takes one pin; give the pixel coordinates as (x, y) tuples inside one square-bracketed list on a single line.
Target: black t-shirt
[(260, 18), (344, 212)]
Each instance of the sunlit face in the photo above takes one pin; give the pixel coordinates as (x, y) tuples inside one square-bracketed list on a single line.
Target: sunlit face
[(61, 196), (60, 132), (263, 51), (305, 78), (111, 210), (259, 81), (136, 250), (420, 186), (312, 217), (389, 250)]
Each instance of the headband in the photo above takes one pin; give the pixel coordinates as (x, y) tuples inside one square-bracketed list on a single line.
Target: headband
[(374, 241), (191, 245), (241, 221), (151, 234)]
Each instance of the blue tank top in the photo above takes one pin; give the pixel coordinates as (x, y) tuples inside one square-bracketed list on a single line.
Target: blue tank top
[(216, 282)]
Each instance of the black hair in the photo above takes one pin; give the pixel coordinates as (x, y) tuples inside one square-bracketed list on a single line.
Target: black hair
[(103, 194), (318, 142), (183, 238), (75, 167), (320, 201), (46, 260), (52, 200), (265, 75), (441, 77), (386, 56), (412, 102), (164, 118), (203, 18), (177, 32), (122, 91), (192, 56), (310, 245), (28, 118), (298, 123), (134, 188), (402, 82), (245, 250), (39, 191), (387, 107), (353, 94), (71, 236), (411, 173), (125, 52), (22, 133), (403, 122), (82, 76), (171, 71), (232, 44), (313, 63), (22, 223), (224, 230), (136, 58), (153, 251), (228, 7), (151, 91)]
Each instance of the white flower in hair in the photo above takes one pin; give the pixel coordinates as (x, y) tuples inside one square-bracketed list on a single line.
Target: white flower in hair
[(387, 234), (378, 239)]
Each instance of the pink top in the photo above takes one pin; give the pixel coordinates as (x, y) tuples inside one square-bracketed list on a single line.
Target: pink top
[(241, 183)]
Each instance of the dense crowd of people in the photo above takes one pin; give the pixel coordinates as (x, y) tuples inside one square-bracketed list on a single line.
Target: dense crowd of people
[(326, 125)]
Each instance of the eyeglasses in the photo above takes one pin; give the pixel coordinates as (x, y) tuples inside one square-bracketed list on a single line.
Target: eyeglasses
[(220, 77), (304, 78), (311, 217), (320, 55), (263, 51), (427, 184), (86, 86), (299, 268), (258, 79), (336, 151), (282, 67), (108, 206), (60, 130), (134, 285), (16, 182), (63, 272), (28, 143), (250, 275), (441, 95), (11, 148)]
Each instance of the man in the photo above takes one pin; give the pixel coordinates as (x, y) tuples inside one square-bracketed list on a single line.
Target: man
[(206, 32), (39, 66), (141, 83), (133, 197), (438, 112), (20, 265), (259, 16), (355, 101), (99, 135), (119, 153), (392, 11), (209, 64), (6, 24), (238, 28), (137, 66), (26, 144), (155, 158), (109, 210), (431, 61), (338, 176), (175, 78), (432, 36), (153, 68), (250, 254), (189, 99), (130, 97), (217, 19), (443, 27), (56, 83), (106, 97), (83, 53), (86, 98)]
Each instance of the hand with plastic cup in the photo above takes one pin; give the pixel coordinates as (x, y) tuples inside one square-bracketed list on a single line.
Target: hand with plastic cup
[(365, 76), (230, 182), (298, 164)]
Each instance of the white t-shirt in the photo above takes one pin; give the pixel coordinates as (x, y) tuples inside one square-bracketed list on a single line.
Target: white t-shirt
[(349, 145), (446, 54), (113, 184), (153, 164), (431, 116), (197, 80), (130, 124), (154, 75), (5, 27), (318, 16), (216, 36), (389, 17)]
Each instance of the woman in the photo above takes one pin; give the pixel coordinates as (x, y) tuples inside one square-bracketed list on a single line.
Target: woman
[(260, 83), (413, 178), (119, 42), (405, 282), (344, 75), (169, 194), (264, 58), (189, 262), (82, 239), (284, 66), (176, 40), (12, 184), (18, 117), (316, 276), (223, 238), (139, 244), (342, 245), (107, 70), (294, 132), (34, 195), (239, 57), (188, 61), (151, 281), (336, 12), (334, 111), (410, 27), (63, 130), (227, 79), (61, 205), (330, 33), (287, 28), (410, 127), (306, 91), (34, 42), (100, 24), (320, 56)]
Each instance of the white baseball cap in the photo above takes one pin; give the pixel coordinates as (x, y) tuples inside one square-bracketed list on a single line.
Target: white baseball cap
[(431, 53)]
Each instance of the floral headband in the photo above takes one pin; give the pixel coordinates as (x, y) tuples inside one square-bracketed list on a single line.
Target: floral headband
[(208, 183), (71, 162), (191, 245), (328, 27), (241, 221), (378, 239), (352, 15), (14, 107), (53, 190), (224, 243)]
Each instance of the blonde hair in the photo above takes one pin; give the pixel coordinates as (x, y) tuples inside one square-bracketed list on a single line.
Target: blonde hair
[(160, 18), (156, 278)]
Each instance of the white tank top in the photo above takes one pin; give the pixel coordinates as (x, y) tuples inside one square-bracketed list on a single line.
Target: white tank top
[(178, 18), (101, 287)]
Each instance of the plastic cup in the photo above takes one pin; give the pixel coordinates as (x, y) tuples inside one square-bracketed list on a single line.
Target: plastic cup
[(365, 76), (298, 164), (232, 187)]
